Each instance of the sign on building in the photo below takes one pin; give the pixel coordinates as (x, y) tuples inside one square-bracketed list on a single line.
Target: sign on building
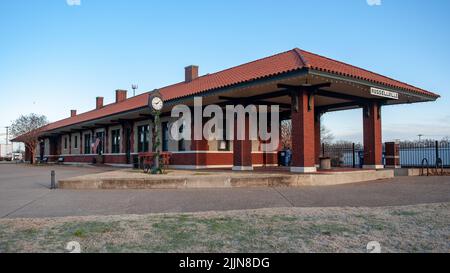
[(383, 93)]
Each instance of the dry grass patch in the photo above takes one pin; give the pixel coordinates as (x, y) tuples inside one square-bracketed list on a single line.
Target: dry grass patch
[(421, 228)]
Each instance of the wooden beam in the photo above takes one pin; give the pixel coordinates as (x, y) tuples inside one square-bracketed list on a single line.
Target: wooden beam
[(229, 98), (270, 103), (330, 94), (304, 86), (271, 95), (337, 106)]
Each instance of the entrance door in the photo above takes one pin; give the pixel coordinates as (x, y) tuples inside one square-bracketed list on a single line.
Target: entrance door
[(128, 144), (101, 137), (41, 150)]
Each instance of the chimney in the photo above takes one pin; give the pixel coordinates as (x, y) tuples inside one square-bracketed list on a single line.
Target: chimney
[(121, 95), (73, 113), (98, 102), (190, 73)]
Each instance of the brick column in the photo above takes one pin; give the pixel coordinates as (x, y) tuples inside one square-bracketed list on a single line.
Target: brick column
[(303, 143), (242, 149), (317, 143), (199, 146), (373, 148), (392, 155)]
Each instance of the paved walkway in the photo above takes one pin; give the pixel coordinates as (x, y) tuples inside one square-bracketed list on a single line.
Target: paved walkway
[(24, 193)]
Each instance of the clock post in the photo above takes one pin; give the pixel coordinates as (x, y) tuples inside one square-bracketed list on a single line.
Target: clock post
[(155, 102)]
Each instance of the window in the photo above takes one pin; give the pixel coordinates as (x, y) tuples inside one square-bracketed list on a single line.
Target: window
[(75, 142), (143, 138), (224, 145), (87, 144), (181, 142), (65, 143), (165, 136), (115, 141)]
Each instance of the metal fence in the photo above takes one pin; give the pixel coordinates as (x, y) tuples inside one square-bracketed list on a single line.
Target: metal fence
[(344, 154), (350, 155), (413, 153)]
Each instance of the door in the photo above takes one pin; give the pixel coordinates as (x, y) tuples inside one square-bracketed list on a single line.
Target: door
[(41, 150), (128, 144), (100, 136)]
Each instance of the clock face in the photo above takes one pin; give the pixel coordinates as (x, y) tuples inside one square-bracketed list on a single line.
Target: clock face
[(157, 103)]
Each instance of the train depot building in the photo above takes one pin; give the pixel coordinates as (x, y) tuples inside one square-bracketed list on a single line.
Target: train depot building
[(304, 86)]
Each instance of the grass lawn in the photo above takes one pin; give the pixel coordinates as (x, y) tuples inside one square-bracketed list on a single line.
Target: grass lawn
[(421, 228)]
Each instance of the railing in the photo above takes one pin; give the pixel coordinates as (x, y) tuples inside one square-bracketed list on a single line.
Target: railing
[(349, 155), (436, 153), (344, 154)]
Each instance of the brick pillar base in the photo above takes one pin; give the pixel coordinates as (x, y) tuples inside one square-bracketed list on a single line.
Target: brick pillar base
[(392, 155), (373, 148), (242, 149), (303, 144)]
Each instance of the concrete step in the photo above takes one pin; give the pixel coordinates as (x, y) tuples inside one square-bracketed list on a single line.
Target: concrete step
[(123, 180)]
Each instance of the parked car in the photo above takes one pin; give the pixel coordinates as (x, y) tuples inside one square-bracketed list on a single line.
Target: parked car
[(17, 156)]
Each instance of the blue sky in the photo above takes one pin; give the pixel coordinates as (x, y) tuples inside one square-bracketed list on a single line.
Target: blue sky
[(55, 57)]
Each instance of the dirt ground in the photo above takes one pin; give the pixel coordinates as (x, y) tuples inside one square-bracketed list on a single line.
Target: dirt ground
[(416, 228)]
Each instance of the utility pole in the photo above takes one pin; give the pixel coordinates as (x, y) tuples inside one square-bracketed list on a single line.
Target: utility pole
[(7, 135)]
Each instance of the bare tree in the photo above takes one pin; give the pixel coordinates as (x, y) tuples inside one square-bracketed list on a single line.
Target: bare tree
[(325, 135), (286, 131), (26, 129), (286, 134)]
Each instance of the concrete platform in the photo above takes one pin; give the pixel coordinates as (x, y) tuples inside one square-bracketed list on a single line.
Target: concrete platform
[(176, 179)]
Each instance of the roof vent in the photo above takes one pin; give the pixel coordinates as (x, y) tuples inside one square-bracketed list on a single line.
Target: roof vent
[(73, 113)]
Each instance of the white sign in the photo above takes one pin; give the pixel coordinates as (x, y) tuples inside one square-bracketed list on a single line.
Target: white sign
[(383, 93)]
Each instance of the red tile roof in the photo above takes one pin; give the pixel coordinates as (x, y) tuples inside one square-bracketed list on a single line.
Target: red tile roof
[(325, 64), (292, 60)]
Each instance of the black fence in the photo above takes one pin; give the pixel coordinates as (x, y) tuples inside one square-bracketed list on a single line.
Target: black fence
[(344, 154), (412, 154)]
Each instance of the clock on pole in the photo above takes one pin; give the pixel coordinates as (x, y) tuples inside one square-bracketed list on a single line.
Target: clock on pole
[(156, 103)]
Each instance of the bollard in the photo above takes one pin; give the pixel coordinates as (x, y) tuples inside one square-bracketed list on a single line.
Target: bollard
[(52, 181)]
